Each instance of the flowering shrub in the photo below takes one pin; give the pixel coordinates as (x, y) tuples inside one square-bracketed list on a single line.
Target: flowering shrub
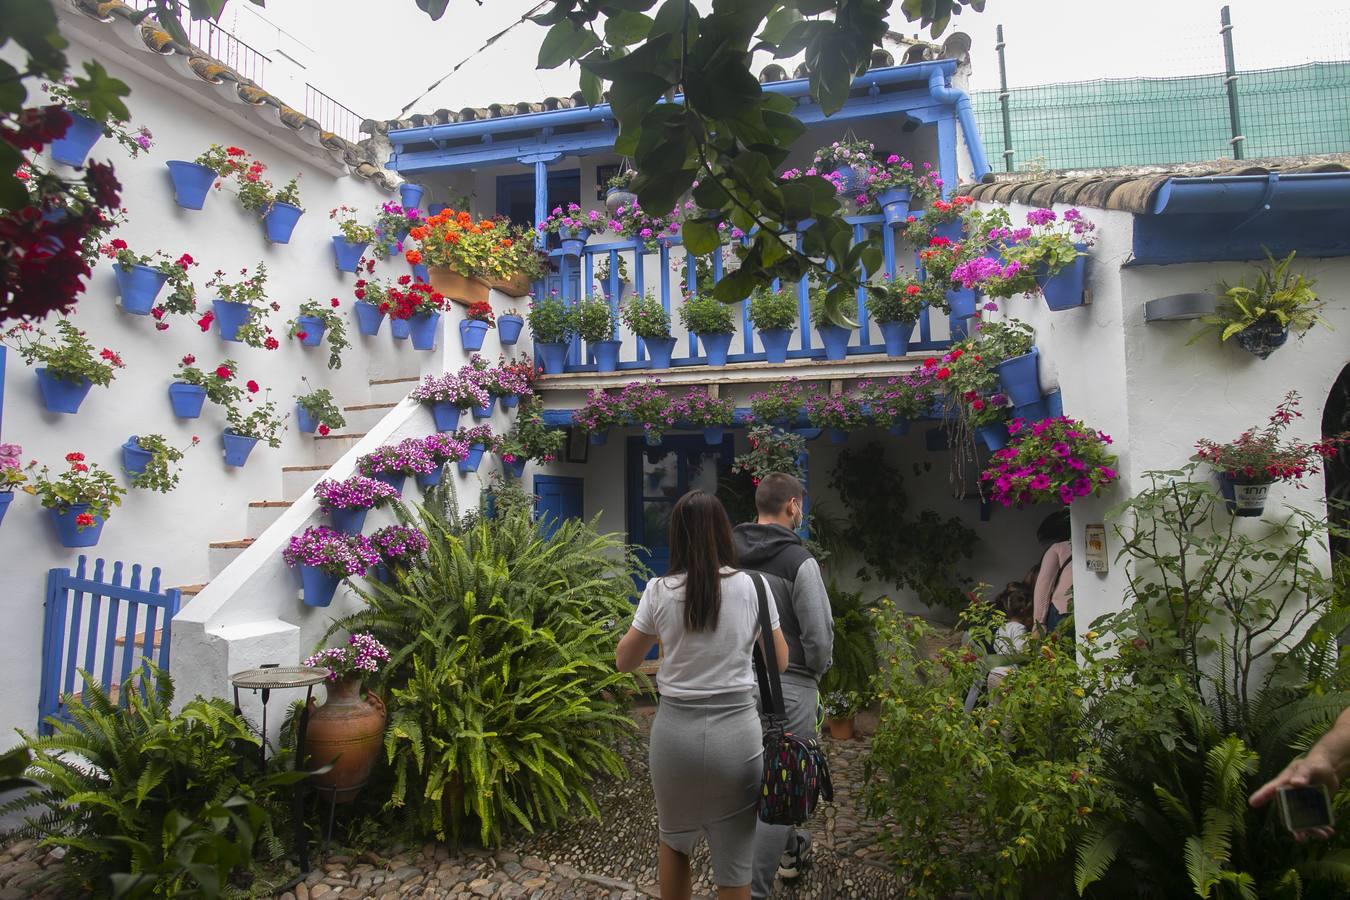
[(478, 436), (262, 423), (773, 309), (924, 184), (573, 218), (182, 299), (392, 225), (80, 483), (250, 290), (898, 399), (11, 468), (335, 330), (351, 227), (480, 311), (335, 553), (919, 230), (771, 450), (901, 299), (408, 457), (779, 404), (516, 376), (402, 299), (550, 319), (1260, 456), (704, 314), (941, 257), (453, 388), (68, 356), (1048, 245), (363, 655), (320, 404), (601, 412), (398, 543), (841, 412), (161, 472), (530, 438), (593, 320), (646, 317), (994, 278), (482, 248), (647, 404), (444, 448), (134, 140), (1052, 461), (224, 161), (356, 492), (218, 381), (701, 410)]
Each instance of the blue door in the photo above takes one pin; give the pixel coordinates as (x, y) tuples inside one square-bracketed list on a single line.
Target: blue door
[(657, 477), (557, 500)]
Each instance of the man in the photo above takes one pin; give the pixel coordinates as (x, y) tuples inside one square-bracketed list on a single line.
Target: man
[(771, 546), (1328, 762)]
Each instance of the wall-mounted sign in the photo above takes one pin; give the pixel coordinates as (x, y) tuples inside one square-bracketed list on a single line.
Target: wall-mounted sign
[(1094, 544)]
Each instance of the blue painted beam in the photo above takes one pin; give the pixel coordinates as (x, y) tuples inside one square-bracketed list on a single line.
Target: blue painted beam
[(1167, 239), (473, 155), (1254, 194), (562, 418)]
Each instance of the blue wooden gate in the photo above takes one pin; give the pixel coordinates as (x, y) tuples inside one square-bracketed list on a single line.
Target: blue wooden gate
[(106, 628)]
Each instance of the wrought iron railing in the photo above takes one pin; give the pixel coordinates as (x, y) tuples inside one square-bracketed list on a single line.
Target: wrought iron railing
[(332, 115), (221, 45)]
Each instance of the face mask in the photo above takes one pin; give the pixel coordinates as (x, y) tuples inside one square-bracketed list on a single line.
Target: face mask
[(797, 519)]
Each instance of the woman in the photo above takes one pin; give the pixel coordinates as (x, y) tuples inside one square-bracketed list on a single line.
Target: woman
[(706, 742), (1053, 596)]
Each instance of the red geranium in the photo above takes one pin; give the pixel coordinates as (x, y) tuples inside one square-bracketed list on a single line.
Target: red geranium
[(224, 373), (84, 520), (74, 457), (252, 387)]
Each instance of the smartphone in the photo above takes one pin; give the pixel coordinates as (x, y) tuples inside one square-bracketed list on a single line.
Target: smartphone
[(1305, 807)]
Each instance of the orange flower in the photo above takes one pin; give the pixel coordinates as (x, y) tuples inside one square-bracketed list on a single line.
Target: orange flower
[(506, 243), (452, 237), (414, 257), (418, 233)]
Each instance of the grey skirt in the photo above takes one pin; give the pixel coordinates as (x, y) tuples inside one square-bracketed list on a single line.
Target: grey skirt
[(706, 759)]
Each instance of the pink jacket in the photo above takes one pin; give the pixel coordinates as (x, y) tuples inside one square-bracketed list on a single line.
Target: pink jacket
[(1052, 584)]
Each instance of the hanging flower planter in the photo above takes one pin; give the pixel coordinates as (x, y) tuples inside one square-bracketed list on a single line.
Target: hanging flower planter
[(237, 447), (6, 498), (346, 255), (716, 346), (606, 355), (395, 480), (472, 333), (954, 231), (573, 240), (279, 223), (995, 437), (835, 339), (138, 287), (186, 399), (74, 146), (1030, 412), (509, 327), (410, 195), (368, 318), (427, 480), (509, 401), (652, 439), (470, 463), (514, 469), (134, 458), (896, 336), (348, 521), (1263, 337), (68, 530), (400, 329), (775, 341), (961, 303), (424, 327), (659, 351), (1019, 378), (1243, 497), (623, 288), (552, 356), (306, 421), (230, 317), (317, 585), (1064, 289), (848, 178), (895, 204), (312, 327), (421, 273), (445, 415), (1054, 404), (713, 436), (837, 435), (808, 434), (599, 438), (61, 395), (191, 182), (616, 197), (899, 429), (485, 412)]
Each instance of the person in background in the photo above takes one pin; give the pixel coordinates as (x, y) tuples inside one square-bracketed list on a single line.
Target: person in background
[(1015, 601), (706, 749), (1054, 582), (772, 547), (1327, 762)]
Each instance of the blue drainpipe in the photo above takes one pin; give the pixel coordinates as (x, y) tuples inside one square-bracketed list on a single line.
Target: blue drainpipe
[(965, 114)]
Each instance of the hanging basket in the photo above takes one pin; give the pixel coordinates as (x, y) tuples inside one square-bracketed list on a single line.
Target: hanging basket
[(313, 328), (71, 534), (231, 315), (306, 421), (279, 223), (400, 329), (470, 463), (348, 521), (62, 395), (369, 317), (237, 447), (186, 399), (73, 147), (713, 436), (1064, 289), (134, 458), (318, 586), (346, 255), (445, 415), (191, 183), (509, 327), (1263, 337), (410, 195), (423, 328), (895, 204), (472, 333), (1019, 378)]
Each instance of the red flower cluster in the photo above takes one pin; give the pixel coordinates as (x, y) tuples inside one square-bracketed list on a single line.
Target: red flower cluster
[(252, 386), (84, 520), (224, 373), (481, 311), (271, 343), (204, 323), (418, 297)]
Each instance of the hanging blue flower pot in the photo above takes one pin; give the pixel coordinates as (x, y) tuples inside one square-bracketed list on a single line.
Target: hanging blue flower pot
[(953, 231), (1064, 289), (606, 355), (659, 351), (835, 338), (1243, 497), (79, 139), (713, 435), (1054, 404), (1019, 378), (6, 498), (837, 435), (186, 399), (995, 437), (471, 333), (135, 459), (420, 273), (347, 255), (850, 178), (808, 434), (426, 480), (280, 221), (68, 530), (424, 328), (470, 462), (508, 329), (652, 439), (348, 521), (61, 395), (552, 356), (775, 341), (958, 326), (513, 469), (509, 401), (961, 302), (716, 346), (191, 182), (237, 447), (599, 438), (410, 195), (899, 429), (895, 204), (368, 318), (485, 412), (305, 420), (445, 415), (573, 240), (318, 586), (230, 317), (623, 288), (401, 329), (138, 286), (1030, 412), (395, 480), (312, 327), (896, 336)]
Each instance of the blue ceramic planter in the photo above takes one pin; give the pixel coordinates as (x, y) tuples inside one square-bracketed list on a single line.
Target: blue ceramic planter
[(237, 447), (573, 240), (896, 336), (835, 339), (509, 328), (1244, 498), (186, 399), (513, 469), (6, 499), (485, 412), (509, 401), (716, 346), (1054, 404), (659, 351), (420, 273), (430, 479), (70, 534), (424, 327), (410, 195), (899, 429), (470, 462), (395, 480), (599, 438), (318, 586), (1019, 378), (305, 421), (606, 290), (606, 355), (400, 329), (279, 223), (138, 286), (134, 459), (313, 329), (445, 416), (191, 183), (959, 327), (850, 178), (73, 147), (60, 395), (837, 435), (368, 318), (808, 434), (230, 317), (962, 303), (895, 205), (995, 437), (775, 341), (713, 436), (1030, 412), (552, 356), (348, 521), (472, 333), (952, 231), (1064, 290), (346, 255)]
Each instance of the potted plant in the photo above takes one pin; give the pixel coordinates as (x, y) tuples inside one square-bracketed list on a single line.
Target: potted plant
[(392, 225), (771, 450), (344, 737), (79, 500), (241, 308), (393, 463), (834, 330), (618, 188), (780, 405), (441, 449), (192, 181), (774, 314), (70, 367), (399, 546), (473, 328), (595, 325), (1009, 346), (650, 322), (448, 396), (1257, 458), (317, 411), (325, 557), (351, 244), (313, 321), (573, 226), (898, 184), (944, 262), (528, 439), (509, 326), (347, 501), (467, 256), (420, 306), (987, 416), (1052, 461), (840, 709), (838, 414), (1261, 316), (553, 326), (140, 278), (152, 462), (478, 439), (193, 386), (849, 160), (898, 400), (1054, 251), (939, 218), (896, 304), (630, 220), (601, 412), (514, 381), (244, 430), (87, 126), (370, 306), (700, 409), (647, 405), (608, 280), (12, 475), (279, 210), (713, 321)]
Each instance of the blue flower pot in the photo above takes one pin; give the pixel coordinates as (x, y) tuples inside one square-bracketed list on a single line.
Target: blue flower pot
[(599, 438), (552, 356), (70, 534), (401, 329), (713, 436), (348, 521), (659, 351), (430, 479), (1030, 412), (509, 401), (1242, 497), (1064, 290), (134, 459), (995, 437), (79, 139), (850, 177), (961, 302), (395, 480), (485, 412), (899, 429), (379, 572), (606, 355), (808, 434), (509, 328), (895, 205), (896, 336), (346, 255), (318, 586), (653, 440), (837, 435), (716, 346), (420, 273), (237, 447), (472, 333), (1054, 405), (368, 318), (305, 421), (280, 221), (186, 399), (191, 183), (445, 415), (60, 395), (573, 240), (423, 328), (623, 289), (775, 341), (952, 231), (6, 498), (1019, 378), (313, 327), (959, 327), (513, 469), (835, 338), (410, 195), (139, 286), (230, 317), (470, 462)]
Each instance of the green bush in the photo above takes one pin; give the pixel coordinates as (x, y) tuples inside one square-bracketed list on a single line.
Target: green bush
[(551, 320), (593, 320), (774, 309), (702, 314), (855, 645)]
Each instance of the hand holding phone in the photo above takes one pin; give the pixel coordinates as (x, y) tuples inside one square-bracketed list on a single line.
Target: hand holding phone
[(1305, 809)]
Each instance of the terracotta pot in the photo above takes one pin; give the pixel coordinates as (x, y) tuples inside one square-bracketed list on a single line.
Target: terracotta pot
[(347, 731), (841, 729), (515, 286), (457, 287)]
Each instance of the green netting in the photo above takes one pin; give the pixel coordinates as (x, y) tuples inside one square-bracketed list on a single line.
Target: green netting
[(1142, 121)]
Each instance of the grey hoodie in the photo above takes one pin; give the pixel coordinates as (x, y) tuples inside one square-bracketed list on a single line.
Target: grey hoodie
[(803, 605)]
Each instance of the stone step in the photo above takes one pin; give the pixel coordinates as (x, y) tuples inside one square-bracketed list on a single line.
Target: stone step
[(220, 554), (262, 513), (329, 448), (391, 390), (297, 480), (365, 416)]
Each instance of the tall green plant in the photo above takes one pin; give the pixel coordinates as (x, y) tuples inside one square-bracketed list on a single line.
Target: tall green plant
[(855, 645)]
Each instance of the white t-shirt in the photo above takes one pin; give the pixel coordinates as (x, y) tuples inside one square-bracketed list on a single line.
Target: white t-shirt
[(1011, 638), (699, 664)]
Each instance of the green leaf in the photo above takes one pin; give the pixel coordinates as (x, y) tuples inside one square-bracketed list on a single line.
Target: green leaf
[(777, 26), (625, 28), (700, 236), (563, 43), (592, 88), (102, 92)]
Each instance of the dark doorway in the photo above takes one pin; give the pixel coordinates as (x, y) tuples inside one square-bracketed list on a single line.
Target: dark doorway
[(515, 194)]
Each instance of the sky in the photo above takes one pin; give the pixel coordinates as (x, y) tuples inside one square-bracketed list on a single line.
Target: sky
[(377, 63)]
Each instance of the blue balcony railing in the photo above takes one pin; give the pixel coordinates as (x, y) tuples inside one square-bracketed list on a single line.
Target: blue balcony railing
[(579, 273)]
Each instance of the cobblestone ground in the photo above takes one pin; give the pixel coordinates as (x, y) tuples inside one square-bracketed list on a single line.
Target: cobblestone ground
[(613, 858)]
